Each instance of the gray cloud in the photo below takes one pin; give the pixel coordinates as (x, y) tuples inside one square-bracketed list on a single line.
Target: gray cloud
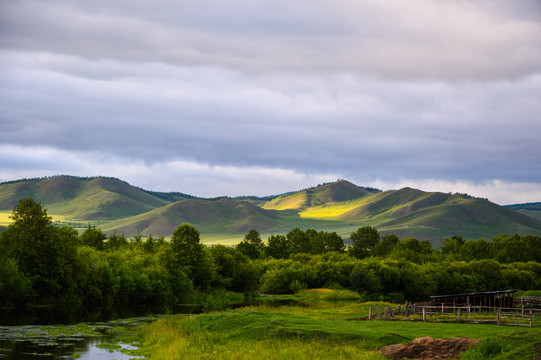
[(378, 92), (420, 38)]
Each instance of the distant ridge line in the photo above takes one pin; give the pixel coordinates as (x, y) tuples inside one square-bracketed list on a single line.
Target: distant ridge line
[(58, 176)]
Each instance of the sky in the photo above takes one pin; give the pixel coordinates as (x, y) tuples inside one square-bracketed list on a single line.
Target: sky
[(262, 97)]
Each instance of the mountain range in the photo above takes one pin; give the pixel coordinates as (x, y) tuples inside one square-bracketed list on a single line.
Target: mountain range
[(115, 205)]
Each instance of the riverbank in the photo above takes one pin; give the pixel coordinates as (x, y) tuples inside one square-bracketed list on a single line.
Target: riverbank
[(315, 328)]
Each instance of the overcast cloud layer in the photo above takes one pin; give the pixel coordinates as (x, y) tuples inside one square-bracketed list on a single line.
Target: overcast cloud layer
[(261, 97)]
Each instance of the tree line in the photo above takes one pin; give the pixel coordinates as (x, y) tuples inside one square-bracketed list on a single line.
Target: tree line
[(43, 263)]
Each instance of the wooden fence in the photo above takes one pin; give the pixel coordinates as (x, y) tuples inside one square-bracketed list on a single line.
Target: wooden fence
[(461, 314)]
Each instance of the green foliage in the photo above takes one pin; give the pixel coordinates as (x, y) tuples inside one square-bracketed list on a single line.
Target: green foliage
[(15, 287), (298, 241), (364, 242), (43, 253), (323, 241), (93, 238), (386, 245), (412, 249), (227, 260), (41, 261), (192, 256), (252, 245), (116, 241), (277, 247), (245, 277), (364, 279)]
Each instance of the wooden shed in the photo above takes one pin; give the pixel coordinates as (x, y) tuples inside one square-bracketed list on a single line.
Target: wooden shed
[(489, 299)]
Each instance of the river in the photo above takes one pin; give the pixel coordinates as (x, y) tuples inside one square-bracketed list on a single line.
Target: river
[(54, 334)]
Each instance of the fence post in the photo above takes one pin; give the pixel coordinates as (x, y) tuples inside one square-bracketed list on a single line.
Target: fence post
[(498, 317), (442, 308), (522, 309), (469, 309), (458, 320), (370, 313), (424, 314), (531, 318)]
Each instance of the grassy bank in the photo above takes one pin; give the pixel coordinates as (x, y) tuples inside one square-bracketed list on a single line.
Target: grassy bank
[(315, 328)]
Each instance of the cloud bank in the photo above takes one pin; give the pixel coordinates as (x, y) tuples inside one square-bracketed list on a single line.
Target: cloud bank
[(214, 98)]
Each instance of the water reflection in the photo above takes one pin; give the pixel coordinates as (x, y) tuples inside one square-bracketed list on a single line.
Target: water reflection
[(93, 352), (64, 342), (52, 315), (45, 337)]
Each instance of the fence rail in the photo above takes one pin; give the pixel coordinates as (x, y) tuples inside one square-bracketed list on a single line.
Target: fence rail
[(461, 314)]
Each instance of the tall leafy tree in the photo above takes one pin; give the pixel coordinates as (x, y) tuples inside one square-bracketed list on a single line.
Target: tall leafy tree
[(452, 247), (332, 241), (323, 241), (363, 242), (45, 254), (192, 256), (252, 245), (93, 238), (277, 247), (299, 242), (386, 245)]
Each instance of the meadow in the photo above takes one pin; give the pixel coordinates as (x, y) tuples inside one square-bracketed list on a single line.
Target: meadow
[(316, 324), (5, 219)]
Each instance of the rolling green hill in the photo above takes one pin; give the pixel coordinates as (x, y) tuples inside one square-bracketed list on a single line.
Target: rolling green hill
[(339, 191), (218, 218), (414, 213), (224, 215), (340, 206), (530, 209), (98, 198)]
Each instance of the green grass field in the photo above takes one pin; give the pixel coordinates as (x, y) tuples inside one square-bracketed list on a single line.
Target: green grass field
[(316, 328), (5, 219)]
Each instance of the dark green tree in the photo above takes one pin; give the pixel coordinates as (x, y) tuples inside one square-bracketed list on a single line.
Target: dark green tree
[(299, 242), (386, 245), (277, 247), (149, 245), (453, 247), (252, 245), (15, 288), (116, 241), (191, 255), (364, 279), (227, 259), (43, 253), (93, 238), (412, 249), (364, 241), (332, 241)]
